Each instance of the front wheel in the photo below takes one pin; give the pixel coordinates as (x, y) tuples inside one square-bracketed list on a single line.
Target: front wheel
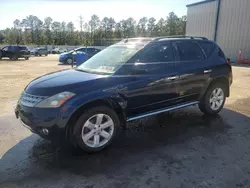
[(14, 57), (95, 129), (214, 99)]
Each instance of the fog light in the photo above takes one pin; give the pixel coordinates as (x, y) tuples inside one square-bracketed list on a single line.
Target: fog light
[(45, 131)]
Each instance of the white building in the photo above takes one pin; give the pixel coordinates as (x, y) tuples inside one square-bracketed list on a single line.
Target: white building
[(225, 21)]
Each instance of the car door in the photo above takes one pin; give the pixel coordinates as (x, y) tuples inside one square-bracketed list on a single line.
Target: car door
[(193, 69), (154, 85)]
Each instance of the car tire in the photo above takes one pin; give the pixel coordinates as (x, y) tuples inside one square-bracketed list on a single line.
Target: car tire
[(14, 57), (26, 58), (214, 99), (69, 61), (95, 130)]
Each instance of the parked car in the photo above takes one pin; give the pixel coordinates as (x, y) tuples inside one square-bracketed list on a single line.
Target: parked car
[(58, 50), (15, 52), (67, 57), (132, 79), (39, 52)]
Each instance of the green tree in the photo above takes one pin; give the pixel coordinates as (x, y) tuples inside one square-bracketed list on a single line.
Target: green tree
[(31, 30), (94, 24), (151, 27), (141, 27), (118, 30), (172, 23), (48, 33), (130, 22), (161, 28)]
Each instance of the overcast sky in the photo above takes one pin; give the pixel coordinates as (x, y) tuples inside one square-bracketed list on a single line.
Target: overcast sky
[(70, 10)]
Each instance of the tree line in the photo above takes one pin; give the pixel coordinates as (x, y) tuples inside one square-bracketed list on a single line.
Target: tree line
[(32, 30)]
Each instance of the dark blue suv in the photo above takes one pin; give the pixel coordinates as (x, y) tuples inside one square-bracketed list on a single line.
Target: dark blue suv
[(132, 79)]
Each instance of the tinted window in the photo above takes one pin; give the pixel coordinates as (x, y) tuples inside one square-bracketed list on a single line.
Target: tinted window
[(157, 53), (208, 47), (23, 48), (189, 51)]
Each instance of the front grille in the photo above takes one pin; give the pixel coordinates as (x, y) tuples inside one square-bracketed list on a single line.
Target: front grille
[(30, 100)]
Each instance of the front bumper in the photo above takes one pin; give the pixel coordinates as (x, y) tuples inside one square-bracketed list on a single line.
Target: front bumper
[(39, 119)]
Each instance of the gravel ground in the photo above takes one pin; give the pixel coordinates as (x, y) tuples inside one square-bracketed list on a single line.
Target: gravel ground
[(181, 149)]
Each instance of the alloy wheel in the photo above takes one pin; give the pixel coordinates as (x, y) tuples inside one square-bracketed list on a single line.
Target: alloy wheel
[(216, 99), (97, 130)]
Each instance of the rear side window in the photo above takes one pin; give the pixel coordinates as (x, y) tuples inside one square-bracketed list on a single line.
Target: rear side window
[(208, 47), (157, 53), (221, 54), (189, 51)]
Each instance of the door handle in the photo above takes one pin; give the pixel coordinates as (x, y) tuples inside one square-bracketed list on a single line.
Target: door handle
[(207, 71)]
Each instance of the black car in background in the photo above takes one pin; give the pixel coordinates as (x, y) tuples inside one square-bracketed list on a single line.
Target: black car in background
[(39, 51), (14, 52)]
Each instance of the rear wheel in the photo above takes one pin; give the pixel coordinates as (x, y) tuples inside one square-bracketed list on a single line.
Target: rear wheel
[(214, 99), (95, 129), (26, 58)]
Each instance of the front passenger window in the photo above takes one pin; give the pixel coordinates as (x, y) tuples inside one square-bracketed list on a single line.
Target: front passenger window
[(157, 53)]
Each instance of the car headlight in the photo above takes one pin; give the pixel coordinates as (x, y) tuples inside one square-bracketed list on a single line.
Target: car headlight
[(55, 100)]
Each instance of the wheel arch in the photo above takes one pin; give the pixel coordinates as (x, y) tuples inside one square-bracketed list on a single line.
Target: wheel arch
[(221, 79), (109, 102)]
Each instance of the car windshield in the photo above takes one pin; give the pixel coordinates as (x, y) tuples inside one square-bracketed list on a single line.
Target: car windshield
[(109, 60)]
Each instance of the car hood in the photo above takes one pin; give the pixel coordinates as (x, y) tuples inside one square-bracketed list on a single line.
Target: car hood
[(66, 80)]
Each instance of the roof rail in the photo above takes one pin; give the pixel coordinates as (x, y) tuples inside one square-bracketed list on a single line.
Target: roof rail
[(180, 36)]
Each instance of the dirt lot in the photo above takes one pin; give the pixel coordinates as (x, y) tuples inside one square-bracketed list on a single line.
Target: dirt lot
[(15, 75), (182, 149)]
